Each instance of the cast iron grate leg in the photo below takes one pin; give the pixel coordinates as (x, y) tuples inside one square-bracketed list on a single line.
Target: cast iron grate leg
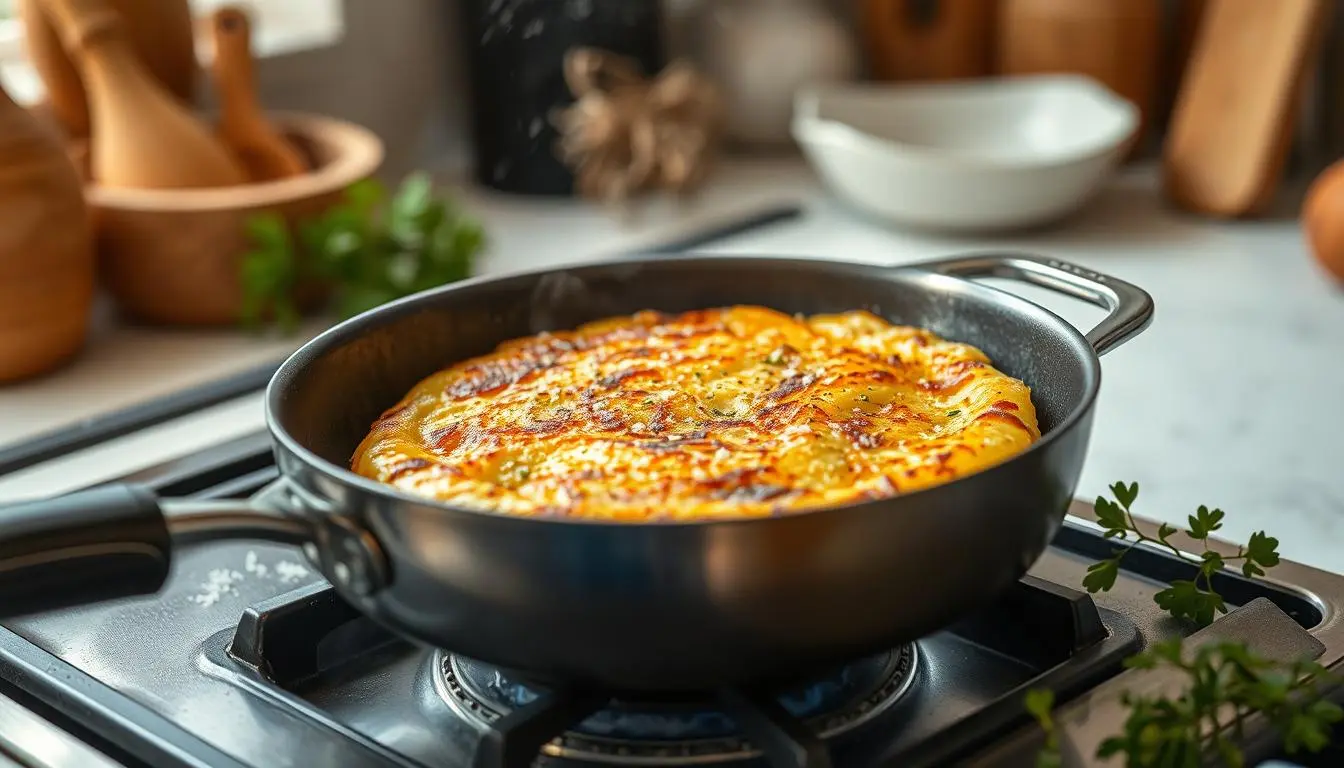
[(786, 741), (515, 740)]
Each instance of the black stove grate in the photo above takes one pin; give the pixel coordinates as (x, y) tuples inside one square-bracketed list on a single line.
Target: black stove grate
[(299, 638), (684, 728)]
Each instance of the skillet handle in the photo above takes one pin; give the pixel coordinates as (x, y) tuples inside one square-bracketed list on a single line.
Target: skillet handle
[(1130, 307), (95, 545), (110, 542)]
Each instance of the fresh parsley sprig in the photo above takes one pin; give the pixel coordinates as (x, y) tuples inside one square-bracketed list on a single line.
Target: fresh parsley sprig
[(1224, 683), (269, 274), (370, 249), (1193, 599), (1040, 703)]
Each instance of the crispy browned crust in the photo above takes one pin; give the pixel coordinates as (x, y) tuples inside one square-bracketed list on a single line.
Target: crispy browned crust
[(732, 412)]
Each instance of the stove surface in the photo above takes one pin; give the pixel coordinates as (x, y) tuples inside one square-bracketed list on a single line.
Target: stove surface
[(248, 658)]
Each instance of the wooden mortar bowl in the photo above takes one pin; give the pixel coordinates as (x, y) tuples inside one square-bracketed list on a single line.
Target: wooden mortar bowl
[(172, 256)]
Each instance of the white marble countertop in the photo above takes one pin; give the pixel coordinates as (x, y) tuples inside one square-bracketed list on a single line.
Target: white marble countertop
[(1230, 399)]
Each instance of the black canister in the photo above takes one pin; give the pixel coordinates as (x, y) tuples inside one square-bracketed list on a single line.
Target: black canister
[(516, 55)]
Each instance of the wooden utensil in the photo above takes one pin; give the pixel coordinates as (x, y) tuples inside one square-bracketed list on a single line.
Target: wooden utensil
[(160, 31), (1233, 121), (141, 135), (1113, 41), (175, 256), (242, 124), (929, 39), (46, 248)]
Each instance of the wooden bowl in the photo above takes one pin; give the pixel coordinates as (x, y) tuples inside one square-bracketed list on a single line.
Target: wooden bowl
[(172, 256)]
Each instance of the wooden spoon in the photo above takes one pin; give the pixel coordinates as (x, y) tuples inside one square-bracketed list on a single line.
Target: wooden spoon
[(141, 135), (242, 125)]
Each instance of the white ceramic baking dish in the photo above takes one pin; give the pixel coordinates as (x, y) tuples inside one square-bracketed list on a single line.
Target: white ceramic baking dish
[(970, 155)]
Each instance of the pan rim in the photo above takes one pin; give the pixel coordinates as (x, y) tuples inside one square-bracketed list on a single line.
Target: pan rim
[(331, 338)]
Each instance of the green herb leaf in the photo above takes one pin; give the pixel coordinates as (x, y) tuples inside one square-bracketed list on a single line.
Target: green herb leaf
[(1212, 563), (1186, 600), (268, 273), (1309, 730), (1194, 600), (1263, 550), (1039, 703), (1125, 494), (1165, 531), (1230, 756), (1187, 726), (268, 231), (365, 196), (1101, 575), (1110, 516), (371, 249), (1204, 522), (411, 201), (1111, 747)]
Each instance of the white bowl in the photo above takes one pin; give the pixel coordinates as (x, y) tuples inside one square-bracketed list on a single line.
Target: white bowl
[(969, 155)]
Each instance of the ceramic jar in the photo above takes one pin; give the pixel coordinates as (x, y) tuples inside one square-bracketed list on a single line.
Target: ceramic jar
[(46, 248), (761, 51)]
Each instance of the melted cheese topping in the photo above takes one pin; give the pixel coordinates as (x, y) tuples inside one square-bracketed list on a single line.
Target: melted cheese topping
[(733, 412)]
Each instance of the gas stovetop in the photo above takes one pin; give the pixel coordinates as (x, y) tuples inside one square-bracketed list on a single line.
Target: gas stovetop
[(248, 658)]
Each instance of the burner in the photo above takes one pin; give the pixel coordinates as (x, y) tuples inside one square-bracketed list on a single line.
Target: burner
[(669, 732)]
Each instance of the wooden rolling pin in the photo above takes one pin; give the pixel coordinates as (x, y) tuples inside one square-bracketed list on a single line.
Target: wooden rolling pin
[(141, 136), (160, 31), (929, 39), (1232, 124), (243, 127)]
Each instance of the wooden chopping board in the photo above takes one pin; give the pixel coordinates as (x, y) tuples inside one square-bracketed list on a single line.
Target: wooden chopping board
[(1233, 120)]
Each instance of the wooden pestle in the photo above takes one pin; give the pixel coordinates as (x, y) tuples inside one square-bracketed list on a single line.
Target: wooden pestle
[(161, 32), (243, 126), (141, 136)]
